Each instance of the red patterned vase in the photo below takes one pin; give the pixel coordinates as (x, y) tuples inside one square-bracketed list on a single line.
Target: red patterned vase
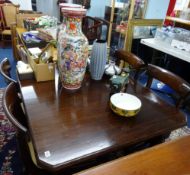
[(72, 50)]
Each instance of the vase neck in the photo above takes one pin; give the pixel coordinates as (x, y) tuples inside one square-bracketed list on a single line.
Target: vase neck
[(73, 25)]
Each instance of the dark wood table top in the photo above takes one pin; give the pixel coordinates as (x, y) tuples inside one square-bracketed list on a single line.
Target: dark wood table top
[(166, 159), (68, 128)]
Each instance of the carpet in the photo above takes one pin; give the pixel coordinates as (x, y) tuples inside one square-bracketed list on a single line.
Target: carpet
[(10, 163), (178, 133)]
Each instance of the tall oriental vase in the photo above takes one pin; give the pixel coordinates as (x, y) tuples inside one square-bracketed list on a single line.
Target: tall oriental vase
[(72, 50)]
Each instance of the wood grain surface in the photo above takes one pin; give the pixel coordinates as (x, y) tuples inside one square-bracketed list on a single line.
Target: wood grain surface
[(71, 127), (164, 159)]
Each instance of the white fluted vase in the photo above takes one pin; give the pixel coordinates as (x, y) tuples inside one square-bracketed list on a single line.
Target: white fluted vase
[(98, 59)]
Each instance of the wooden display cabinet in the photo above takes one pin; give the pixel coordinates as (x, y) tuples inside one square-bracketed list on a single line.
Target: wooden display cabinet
[(119, 15), (133, 19)]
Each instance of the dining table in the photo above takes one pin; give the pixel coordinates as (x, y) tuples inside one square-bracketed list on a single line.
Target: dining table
[(71, 128)]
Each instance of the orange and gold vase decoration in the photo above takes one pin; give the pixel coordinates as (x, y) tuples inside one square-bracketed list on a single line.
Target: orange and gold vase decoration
[(72, 49)]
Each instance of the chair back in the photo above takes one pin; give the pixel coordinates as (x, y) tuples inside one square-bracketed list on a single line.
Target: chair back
[(14, 112), (9, 12), (13, 109), (179, 85), (92, 28), (5, 68), (136, 63), (104, 28)]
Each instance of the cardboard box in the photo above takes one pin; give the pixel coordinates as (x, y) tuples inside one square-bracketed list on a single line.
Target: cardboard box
[(42, 71), (21, 16)]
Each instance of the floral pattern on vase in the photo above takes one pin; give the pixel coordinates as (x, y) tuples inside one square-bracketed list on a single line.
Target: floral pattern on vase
[(72, 50)]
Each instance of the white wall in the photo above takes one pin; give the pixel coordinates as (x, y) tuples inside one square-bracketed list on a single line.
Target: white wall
[(24, 4), (181, 4), (98, 8), (156, 9), (48, 7)]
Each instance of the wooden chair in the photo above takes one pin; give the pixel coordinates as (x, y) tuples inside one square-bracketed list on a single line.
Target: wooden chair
[(179, 85), (5, 68), (15, 114), (104, 28), (136, 64), (9, 12), (91, 27)]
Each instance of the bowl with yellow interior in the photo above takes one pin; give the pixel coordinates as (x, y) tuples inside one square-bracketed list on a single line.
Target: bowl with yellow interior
[(125, 104)]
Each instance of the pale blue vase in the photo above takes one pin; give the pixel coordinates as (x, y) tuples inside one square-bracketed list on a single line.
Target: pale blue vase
[(98, 59)]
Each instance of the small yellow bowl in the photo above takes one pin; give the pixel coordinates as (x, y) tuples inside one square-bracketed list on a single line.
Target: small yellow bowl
[(124, 104)]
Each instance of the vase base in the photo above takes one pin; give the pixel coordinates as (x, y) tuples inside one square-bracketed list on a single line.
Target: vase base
[(96, 78), (71, 87)]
